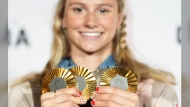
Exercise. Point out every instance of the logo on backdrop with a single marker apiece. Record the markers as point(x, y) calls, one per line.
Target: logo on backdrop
point(21, 38)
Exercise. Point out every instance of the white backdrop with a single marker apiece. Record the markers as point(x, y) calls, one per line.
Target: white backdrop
point(152, 35)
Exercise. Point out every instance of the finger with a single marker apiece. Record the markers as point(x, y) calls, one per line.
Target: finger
point(113, 98)
point(120, 92)
point(116, 99)
point(65, 104)
point(67, 97)
point(64, 98)
point(96, 103)
point(71, 91)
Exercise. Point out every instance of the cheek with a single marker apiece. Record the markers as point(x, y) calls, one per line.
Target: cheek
point(73, 22)
point(109, 22)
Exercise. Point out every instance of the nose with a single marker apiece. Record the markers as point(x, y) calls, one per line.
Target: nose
point(91, 21)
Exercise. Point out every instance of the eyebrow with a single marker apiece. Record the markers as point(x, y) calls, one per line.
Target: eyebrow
point(101, 4)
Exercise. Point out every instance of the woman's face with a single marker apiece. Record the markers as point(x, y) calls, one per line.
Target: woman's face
point(91, 24)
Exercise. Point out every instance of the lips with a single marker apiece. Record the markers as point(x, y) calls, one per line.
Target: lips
point(91, 34)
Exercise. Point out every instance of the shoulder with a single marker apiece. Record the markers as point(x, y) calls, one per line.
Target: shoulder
point(164, 94)
point(160, 89)
point(157, 94)
point(21, 95)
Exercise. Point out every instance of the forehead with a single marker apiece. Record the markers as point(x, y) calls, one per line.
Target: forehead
point(92, 2)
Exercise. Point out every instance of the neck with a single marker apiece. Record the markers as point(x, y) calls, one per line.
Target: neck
point(90, 61)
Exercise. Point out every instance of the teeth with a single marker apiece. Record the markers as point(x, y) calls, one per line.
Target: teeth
point(91, 34)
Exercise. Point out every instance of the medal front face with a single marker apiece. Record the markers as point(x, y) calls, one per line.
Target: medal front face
point(98, 75)
point(58, 78)
point(86, 81)
point(119, 77)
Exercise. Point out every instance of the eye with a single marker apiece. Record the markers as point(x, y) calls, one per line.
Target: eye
point(103, 10)
point(78, 10)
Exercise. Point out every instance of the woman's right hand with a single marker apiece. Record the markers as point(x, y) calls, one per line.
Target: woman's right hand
point(67, 97)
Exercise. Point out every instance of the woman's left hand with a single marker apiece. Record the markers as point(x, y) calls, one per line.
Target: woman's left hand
point(114, 97)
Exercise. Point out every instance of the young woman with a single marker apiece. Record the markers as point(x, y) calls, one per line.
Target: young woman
point(91, 33)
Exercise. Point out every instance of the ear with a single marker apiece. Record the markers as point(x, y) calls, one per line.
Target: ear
point(120, 19)
point(63, 23)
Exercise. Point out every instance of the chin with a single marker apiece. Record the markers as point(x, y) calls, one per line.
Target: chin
point(90, 51)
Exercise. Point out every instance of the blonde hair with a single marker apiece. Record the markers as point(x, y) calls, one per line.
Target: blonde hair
point(121, 52)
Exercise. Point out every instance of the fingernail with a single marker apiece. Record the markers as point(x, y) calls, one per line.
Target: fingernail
point(80, 93)
point(92, 102)
point(97, 89)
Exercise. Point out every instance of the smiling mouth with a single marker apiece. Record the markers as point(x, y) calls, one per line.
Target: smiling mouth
point(91, 34)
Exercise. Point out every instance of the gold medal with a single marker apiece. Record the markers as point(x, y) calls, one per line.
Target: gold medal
point(119, 77)
point(56, 79)
point(98, 74)
point(86, 82)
